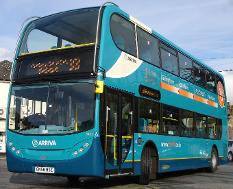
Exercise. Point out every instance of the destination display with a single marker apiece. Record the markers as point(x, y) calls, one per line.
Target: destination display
point(149, 92)
point(55, 63)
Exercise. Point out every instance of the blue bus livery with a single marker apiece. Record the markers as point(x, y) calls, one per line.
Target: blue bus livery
point(97, 93)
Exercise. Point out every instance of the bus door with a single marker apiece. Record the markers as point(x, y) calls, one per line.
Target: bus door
point(118, 132)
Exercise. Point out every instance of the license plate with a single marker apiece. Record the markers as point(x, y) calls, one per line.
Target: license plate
point(50, 170)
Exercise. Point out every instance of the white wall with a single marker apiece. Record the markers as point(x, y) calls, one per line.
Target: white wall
point(228, 76)
point(4, 89)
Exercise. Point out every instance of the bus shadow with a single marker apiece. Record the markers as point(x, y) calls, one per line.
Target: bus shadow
point(181, 173)
point(164, 180)
point(61, 182)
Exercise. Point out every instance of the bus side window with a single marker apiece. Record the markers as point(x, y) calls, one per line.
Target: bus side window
point(212, 130)
point(201, 127)
point(199, 74)
point(219, 129)
point(143, 122)
point(148, 116)
point(186, 67)
point(148, 47)
point(210, 81)
point(169, 59)
point(170, 119)
point(123, 34)
point(187, 123)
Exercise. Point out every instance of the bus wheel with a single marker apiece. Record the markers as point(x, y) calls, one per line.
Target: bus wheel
point(73, 179)
point(148, 166)
point(214, 161)
point(230, 156)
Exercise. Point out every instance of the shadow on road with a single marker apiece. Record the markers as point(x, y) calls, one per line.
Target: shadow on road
point(61, 182)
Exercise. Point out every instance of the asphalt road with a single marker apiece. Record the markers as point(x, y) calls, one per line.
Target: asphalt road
point(221, 179)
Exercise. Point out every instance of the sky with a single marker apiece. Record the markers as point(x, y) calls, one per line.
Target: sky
point(202, 27)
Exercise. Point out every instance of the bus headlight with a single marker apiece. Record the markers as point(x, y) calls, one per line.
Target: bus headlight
point(14, 149)
point(75, 153)
point(86, 145)
point(80, 148)
point(10, 144)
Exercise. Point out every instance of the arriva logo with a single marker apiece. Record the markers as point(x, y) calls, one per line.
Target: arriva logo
point(36, 143)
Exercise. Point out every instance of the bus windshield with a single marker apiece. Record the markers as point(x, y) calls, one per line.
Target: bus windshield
point(64, 29)
point(52, 108)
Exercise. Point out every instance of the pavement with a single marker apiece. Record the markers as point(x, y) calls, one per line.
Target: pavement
point(192, 179)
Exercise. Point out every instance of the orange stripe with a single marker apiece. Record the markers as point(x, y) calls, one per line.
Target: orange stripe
point(200, 99)
point(185, 93)
point(169, 87)
point(212, 103)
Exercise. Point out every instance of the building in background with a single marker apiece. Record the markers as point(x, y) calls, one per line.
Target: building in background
point(5, 67)
point(230, 121)
point(228, 76)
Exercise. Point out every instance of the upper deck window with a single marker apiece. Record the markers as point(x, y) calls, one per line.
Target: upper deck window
point(186, 67)
point(199, 75)
point(210, 81)
point(123, 34)
point(60, 30)
point(148, 47)
point(169, 59)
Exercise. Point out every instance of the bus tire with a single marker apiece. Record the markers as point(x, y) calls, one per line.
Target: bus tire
point(214, 161)
point(230, 156)
point(148, 166)
point(73, 179)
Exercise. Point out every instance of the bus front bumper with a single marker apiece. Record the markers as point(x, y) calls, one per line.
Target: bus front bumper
point(89, 164)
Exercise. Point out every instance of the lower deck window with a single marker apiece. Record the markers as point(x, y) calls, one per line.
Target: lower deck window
point(186, 123)
point(170, 120)
point(201, 127)
point(148, 116)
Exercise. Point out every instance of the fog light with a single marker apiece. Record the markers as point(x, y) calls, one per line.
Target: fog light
point(18, 152)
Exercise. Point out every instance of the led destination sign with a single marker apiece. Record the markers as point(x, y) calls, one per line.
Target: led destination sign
point(149, 92)
point(71, 64)
point(56, 63)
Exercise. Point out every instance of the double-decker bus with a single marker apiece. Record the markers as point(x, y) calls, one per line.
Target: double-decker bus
point(97, 93)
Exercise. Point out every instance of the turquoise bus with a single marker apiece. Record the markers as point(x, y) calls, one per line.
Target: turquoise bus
point(97, 93)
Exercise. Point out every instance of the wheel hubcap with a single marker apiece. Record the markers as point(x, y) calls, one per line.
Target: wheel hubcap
point(230, 157)
point(214, 161)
